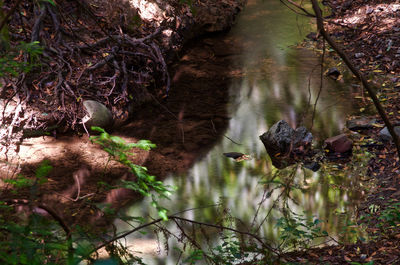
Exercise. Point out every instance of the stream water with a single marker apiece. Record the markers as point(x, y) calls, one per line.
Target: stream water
point(280, 81)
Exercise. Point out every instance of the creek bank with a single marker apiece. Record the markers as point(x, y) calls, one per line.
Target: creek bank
point(368, 32)
point(119, 70)
point(183, 126)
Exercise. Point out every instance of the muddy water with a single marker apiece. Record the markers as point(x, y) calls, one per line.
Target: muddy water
point(279, 81)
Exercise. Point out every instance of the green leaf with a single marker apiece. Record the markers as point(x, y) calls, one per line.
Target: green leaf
point(49, 1)
point(163, 214)
point(44, 169)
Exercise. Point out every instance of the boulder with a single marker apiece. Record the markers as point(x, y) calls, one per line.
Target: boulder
point(339, 144)
point(385, 136)
point(278, 138)
point(284, 145)
point(96, 115)
point(362, 123)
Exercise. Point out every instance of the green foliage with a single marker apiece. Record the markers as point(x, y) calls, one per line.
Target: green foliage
point(20, 182)
point(229, 252)
point(34, 241)
point(297, 230)
point(40, 177)
point(195, 256)
point(145, 183)
point(43, 171)
point(390, 216)
point(11, 65)
point(49, 1)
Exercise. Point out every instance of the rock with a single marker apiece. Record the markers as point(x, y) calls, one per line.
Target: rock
point(284, 145)
point(359, 55)
point(385, 136)
point(314, 166)
point(233, 155)
point(97, 115)
point(339, 144)
point(302, 137)
point(333, 73)
point(312, 36)
point(277, 142)
point(369, 10)
point(278, 138)
point(362, 123)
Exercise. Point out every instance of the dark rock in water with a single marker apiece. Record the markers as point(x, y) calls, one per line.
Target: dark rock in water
point(284, 144)
point(312, 36)
point(237, 156)
point(234, 155)
point(339, 144)
point(385, 136)
point(362, 123)
point(314, 166)
point(333, 73)
point(278, 138)
point(302, 138)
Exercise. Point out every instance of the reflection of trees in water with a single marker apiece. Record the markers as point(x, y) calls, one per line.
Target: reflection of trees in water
point(253, 197)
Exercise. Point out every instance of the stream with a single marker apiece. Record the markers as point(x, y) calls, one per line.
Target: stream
point(280, 80)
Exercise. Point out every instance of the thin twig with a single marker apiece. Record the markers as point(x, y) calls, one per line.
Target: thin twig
point(321, 79)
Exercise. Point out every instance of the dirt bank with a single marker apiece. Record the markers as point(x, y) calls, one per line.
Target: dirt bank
point(369, 33)
point(183, 125)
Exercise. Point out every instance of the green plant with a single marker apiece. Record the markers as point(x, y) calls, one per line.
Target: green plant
point(37, 242)
point(40, 177)
point(36, 239)
point(390, 216)
point(298, 231)
point(229, 252)
point(195, 256)
point(145, 184)
point(9, 65)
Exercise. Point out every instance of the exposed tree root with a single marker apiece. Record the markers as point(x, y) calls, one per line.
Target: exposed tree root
point(95, 61)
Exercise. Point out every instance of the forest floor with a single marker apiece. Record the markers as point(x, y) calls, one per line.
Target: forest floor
point(370, 34)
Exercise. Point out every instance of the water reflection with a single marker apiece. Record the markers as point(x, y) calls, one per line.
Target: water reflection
point(281, 82)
